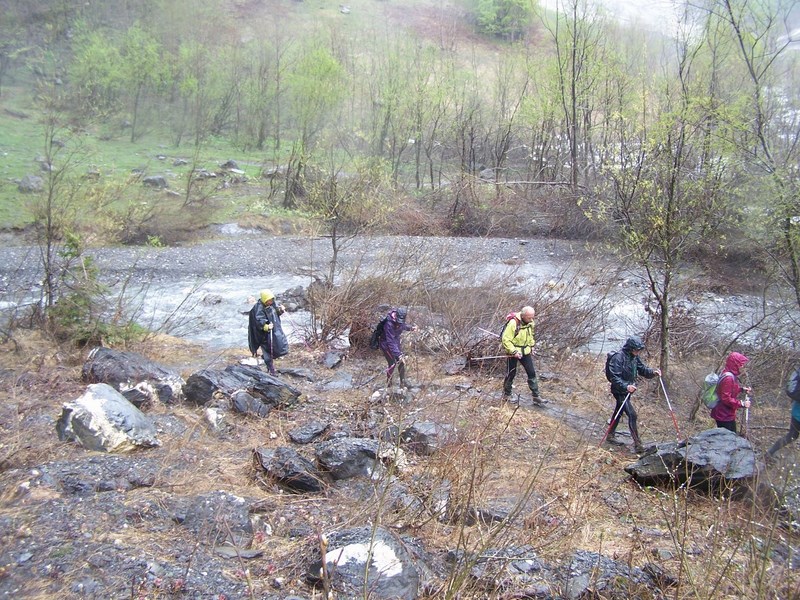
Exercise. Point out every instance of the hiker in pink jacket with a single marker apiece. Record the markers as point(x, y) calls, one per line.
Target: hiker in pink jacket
point(728, 390)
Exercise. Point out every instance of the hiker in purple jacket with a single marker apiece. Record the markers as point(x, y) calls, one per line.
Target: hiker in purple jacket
point(390, 344)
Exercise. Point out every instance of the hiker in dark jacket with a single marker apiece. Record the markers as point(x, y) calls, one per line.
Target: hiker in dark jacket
point(624, 367)
point(265, 330)
point(794, 431)
point(517, 342)
point(728, 390)
point(390, 344)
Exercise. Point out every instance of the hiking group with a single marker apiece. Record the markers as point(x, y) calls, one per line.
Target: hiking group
point(623, 367)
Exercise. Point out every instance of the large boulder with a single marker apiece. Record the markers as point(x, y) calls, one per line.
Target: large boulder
point(364, 558)
point(704, 460)
point(102, 419)
point(202, 386)
point(349, 457)
point(290, 470)
point(136, 377)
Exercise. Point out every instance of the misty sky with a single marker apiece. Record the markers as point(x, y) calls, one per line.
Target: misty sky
point(658, 15)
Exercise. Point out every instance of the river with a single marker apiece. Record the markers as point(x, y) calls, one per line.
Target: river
point(201, 292)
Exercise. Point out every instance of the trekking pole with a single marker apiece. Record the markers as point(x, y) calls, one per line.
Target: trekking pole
point(672, 412)
point(489, 357)
point(489, 332)
point(614, 420)
point(746, 416)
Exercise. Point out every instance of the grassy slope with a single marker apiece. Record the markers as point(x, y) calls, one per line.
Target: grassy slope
point(106, 148)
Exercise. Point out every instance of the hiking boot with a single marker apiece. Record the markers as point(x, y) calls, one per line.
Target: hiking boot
point(537, 401)
point(614, 440)
point(639, 449)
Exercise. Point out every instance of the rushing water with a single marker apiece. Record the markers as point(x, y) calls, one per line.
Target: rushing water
point(203, 292)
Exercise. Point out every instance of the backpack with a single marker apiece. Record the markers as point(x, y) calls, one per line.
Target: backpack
point(510, 316)
point(793, 385)
point(710, 383)
point(608, 364)
point(375, 340)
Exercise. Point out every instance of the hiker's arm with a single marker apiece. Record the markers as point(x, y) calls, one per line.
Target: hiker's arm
point(646, 371)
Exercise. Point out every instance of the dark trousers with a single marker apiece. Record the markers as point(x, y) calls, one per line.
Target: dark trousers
point(511, 372)
point(394, 363)
point(729, 425)
point(267, 356)
point(794, 431)
point(627, 410)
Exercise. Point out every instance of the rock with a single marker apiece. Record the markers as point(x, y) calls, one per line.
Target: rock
point(369, 559)
point(290, 470)
point(704, 460)
point(455, 365)
point(349, 457)
point(102, 419)
point(488, 174)
point(244, 403)
point(217, 518)
point(426, 437)
point(201, 387)
point(155, 181)
point(100, 473)
point(297, 373)
point(592, 575)
point(295, 298)
point(331, 359)
point(343, 381)
point(30, 184)
point(228, 165)
point(308, 432)
point(128, 371)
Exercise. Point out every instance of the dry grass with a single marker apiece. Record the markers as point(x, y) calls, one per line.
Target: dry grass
point(564, 491)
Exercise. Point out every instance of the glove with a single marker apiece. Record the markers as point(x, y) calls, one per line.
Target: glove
point(280, 309)
point(268, 327)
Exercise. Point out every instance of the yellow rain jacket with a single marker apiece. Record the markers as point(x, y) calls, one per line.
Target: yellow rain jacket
point(514, 340)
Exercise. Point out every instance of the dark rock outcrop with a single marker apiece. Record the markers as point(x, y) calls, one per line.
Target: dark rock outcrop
point(138, 378)
point(704, 460)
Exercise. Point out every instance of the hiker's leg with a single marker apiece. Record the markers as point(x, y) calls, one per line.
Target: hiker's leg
point(401, 368)
point(265, 354)
point(390, 360)
point(729, 425)
point(616, 416)
point(633, 422)
point(511, 372)
point(533, 382)
point(794, 431)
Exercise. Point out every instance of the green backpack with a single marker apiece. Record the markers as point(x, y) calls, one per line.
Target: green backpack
point(710, 383)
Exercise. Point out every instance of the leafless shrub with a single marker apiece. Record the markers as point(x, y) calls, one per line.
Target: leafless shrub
point(457, 304)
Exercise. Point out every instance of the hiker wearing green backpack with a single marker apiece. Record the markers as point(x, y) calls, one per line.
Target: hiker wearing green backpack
point(728, 390)
point(622, 369)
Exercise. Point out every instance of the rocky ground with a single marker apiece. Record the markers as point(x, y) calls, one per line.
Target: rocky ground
point(153, 523)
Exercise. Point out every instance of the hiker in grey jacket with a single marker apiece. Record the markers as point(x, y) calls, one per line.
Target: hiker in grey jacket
point(623, 368)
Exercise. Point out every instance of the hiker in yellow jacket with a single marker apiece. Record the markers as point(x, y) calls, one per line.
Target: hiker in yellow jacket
point(517, 341)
